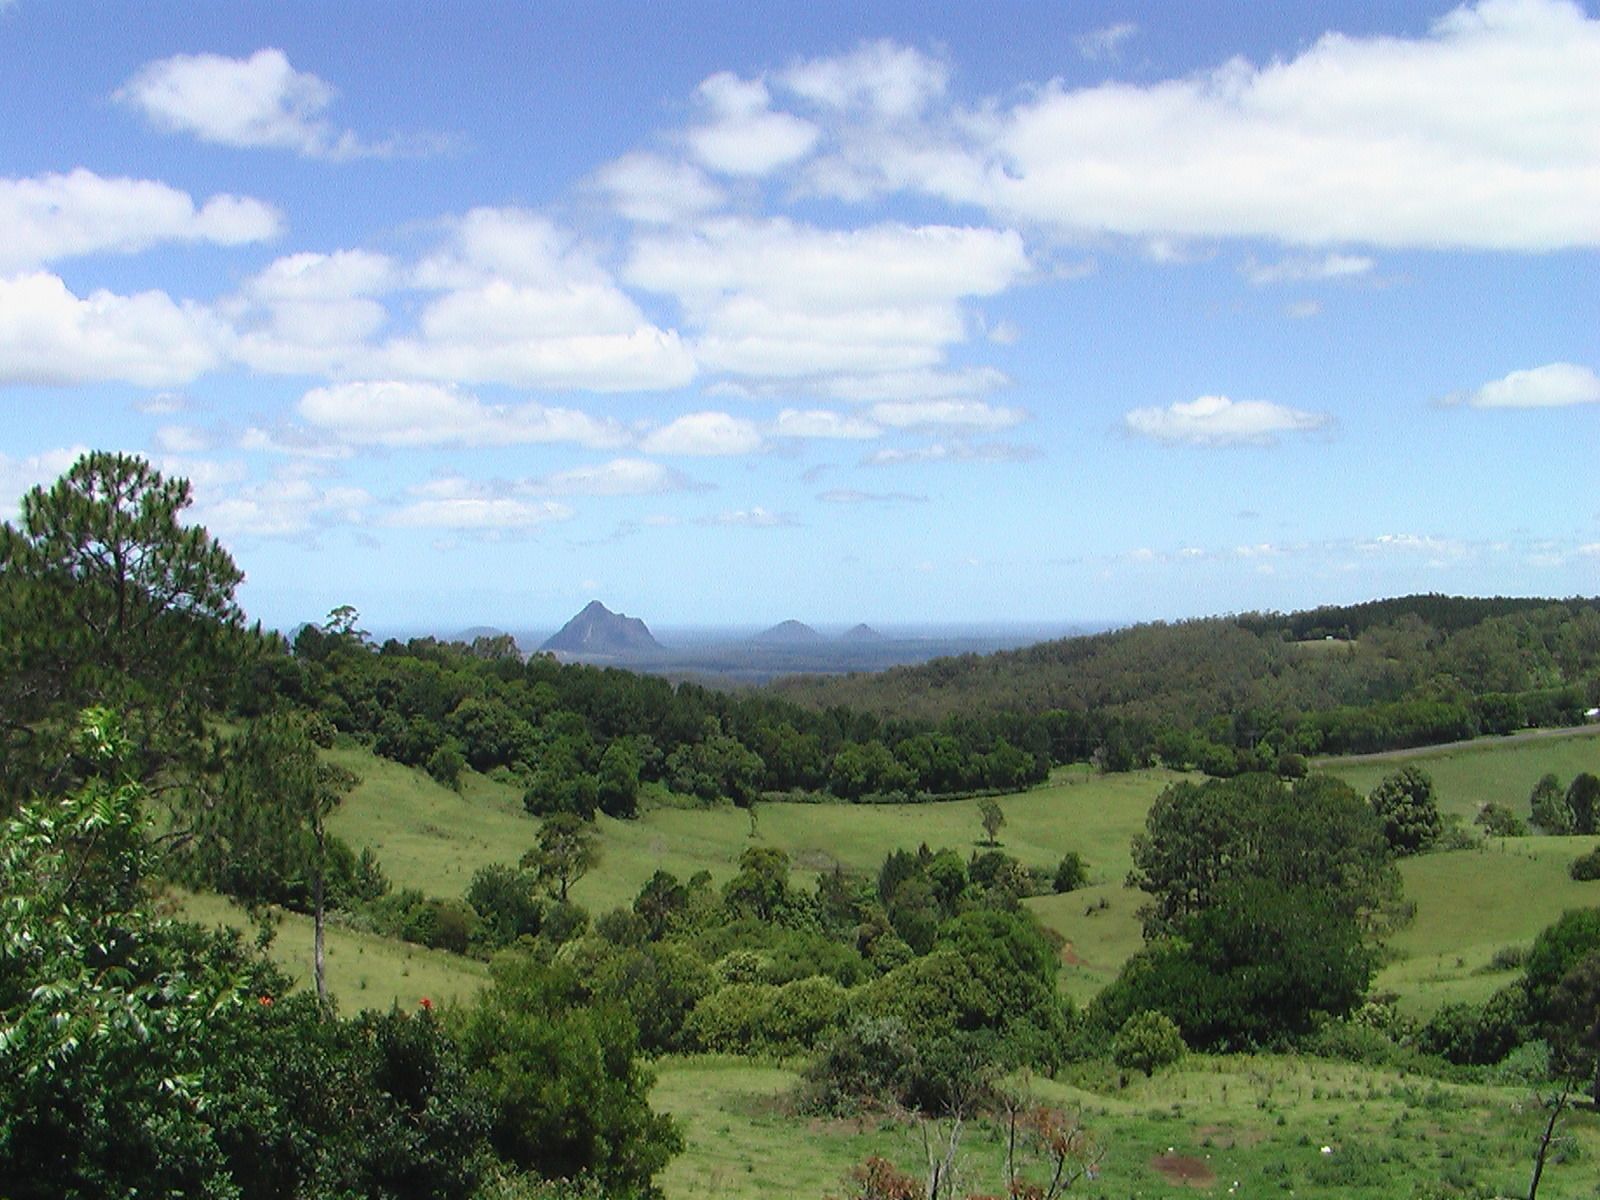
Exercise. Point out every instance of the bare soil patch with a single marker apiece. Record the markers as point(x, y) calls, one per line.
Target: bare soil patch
point(1184, 1169)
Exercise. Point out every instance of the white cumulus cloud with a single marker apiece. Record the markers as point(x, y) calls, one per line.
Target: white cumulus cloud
point(260, 101)
point(1555, 385)
point(704, 434)
point(1219, 421)
point(48, 335)
point(407, 414)
point(657, 191)
point(49, 217)
point(744, 134)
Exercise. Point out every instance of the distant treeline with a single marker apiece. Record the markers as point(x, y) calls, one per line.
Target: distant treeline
point(1233, 693)
point(1223, 695)
point(580, 738)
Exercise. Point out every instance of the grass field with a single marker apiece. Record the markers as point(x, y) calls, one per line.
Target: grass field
point(1241, 1125)
point(364, 971)
point(1469, 903)
point(1213, 1126)
point(1467, 778)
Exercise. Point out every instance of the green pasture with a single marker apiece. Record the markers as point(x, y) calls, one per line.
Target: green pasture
point(1468, 777)
point(363, 970)
point(1469, 903)
point(1238, 1125)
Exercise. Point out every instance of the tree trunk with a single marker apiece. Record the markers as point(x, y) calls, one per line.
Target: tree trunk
point(318, 966)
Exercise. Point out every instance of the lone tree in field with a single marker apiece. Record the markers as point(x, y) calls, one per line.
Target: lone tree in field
point(1583, 802)
point(1404, 802)
point(567, 849)
point(1548, 806)
point(993, 819)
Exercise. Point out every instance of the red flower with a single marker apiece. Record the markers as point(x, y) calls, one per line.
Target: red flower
point(426, 1004)
point(266, 1002)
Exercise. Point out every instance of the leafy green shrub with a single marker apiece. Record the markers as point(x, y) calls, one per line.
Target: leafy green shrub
point(1146, 1041)
point(1072, 873)
point(1476, 1035)
point(734, 1019)
point(1293, 766)
point(1499, 821)
point(1404, 802)
point(1586, 867)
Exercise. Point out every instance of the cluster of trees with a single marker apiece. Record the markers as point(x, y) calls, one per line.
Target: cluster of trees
point(144, 1056)
point(1228, 695)
point(581, 739)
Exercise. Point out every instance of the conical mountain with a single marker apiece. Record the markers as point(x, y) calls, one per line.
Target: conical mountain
point(789, 633)
point(598, 630)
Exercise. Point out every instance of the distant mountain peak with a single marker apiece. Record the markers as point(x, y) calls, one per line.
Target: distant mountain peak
point(598, 630)
point(789, 633)
point(861, 633)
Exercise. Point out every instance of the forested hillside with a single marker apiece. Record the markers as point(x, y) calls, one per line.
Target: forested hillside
point(1391, 673)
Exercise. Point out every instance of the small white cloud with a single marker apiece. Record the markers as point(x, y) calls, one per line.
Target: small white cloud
point(822, 423)
point(1219, 421)
point(1556, 385)
point(962, 414)
point(619, 477)
point(1105, 42)
point(704, 434)
point(50, 217)
point(401, 414)
point(1303, 310)
point(745, 135)
point(469, 506)
point(287, 506)
point(1301, 270)
point(260, 101)
point(755, 518)
point(886, 80)
point(985, 452)
point(855, 496)
point(657, 191)
point(182, 439)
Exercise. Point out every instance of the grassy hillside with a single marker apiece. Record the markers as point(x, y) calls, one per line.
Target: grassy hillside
point(1241, 1125)
point(1469, 903)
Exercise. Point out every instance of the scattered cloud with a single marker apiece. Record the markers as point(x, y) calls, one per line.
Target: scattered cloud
point(704, 434)
point(469, 506)
point(990, 452)
point(404, 414)
point(50, 217)
point(743, 134)
point(287, 506)
point(260, 101)
point(1219, 421)
point(854, 496)
point(657, 191)
point(1301, 269)
point(754, 518)
point(776, 299)
point(962, 414)
point(1555, 385)
point(821, 423)
point(1302, 310)
point(19, 475)
point(50, 336)
point(1104, 43)
point(183, 439)
point(619, 477)
point(1474, 135)
point(889, 82)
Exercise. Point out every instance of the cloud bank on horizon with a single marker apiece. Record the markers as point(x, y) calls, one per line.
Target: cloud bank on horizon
point(824, 318)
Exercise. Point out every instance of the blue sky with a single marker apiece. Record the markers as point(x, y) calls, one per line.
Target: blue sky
point(722, 313)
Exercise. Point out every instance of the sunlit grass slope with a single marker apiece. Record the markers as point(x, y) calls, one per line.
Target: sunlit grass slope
point(1243, 1125)
point(364, 971)
point(1465, 779)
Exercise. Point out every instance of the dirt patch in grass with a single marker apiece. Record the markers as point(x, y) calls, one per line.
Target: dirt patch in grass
point(1070, 956)
point(1184, 1169)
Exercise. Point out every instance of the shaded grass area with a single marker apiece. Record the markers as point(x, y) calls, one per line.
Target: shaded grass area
point(1244, 1125)
point(363, 970)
